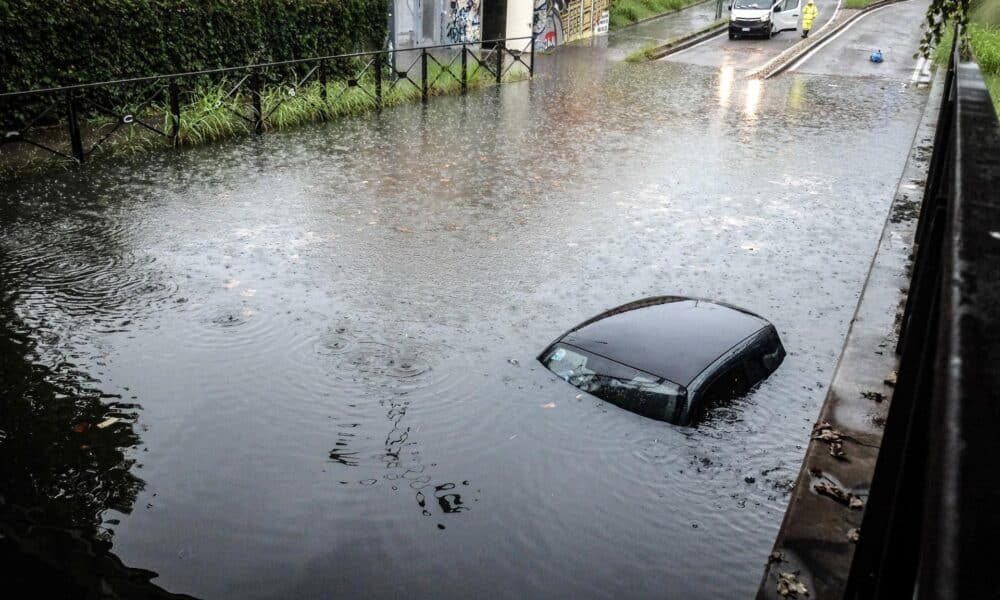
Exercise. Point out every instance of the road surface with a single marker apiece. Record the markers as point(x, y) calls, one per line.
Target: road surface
point(889, 29)
point(748, 53)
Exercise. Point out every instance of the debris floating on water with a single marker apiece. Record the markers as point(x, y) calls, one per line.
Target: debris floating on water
point(108, 422)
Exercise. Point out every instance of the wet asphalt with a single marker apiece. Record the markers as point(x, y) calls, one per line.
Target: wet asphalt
point(321, 342)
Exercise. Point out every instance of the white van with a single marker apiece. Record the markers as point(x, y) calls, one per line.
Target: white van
point(763, 17)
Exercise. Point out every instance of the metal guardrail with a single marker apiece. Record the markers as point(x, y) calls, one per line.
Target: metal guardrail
point(932, 521)
point(375, 73)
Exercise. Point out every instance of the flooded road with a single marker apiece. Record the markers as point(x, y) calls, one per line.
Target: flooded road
point(320, 343)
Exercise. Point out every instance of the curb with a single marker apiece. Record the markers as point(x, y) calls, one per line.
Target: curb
point(817, 537)
point(686, 41)
point(783, 61)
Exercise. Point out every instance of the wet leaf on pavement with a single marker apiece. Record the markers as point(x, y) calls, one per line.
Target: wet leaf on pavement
point(876, 396)
point(837, 449)
point(789, 586)
point(834, 491)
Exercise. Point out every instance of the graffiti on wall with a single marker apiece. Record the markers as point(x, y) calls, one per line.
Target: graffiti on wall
point(463, 24)
point(546, 25)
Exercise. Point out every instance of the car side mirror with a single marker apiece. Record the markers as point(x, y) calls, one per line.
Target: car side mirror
point(777, 8)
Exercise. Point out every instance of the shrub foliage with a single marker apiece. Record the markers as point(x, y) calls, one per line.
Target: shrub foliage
point(46, 43)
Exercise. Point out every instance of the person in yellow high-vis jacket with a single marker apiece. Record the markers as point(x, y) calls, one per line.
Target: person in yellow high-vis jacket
point(809, 14)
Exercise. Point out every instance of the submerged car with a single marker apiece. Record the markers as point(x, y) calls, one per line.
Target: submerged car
point(669, 357)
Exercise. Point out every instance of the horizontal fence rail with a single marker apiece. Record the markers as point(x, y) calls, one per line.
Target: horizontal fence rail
point(52, 119)
point(932, 520)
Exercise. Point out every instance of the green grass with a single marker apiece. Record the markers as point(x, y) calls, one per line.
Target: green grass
point(627, 12)
point(857, 3)
point(985, 40)
point(208, 115)
point(642, 54)
point(211, 116)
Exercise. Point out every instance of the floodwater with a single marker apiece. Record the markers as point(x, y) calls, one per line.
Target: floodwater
point(320, 343)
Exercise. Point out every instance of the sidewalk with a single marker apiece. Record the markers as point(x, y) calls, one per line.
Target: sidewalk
point(661, 29)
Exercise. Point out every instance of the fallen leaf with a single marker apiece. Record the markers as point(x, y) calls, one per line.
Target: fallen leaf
point(827, 435)
point(854, 535)
point(820, 426)
point(837, 449)
point(108, 422)
point(775, 557)
point(876, 396)
point(248, 292)
point(81, 427)
point(834, 491)
point(402, 229)
point(549, 405)
point(789, 586)
point(231, 283)
point(891, 379)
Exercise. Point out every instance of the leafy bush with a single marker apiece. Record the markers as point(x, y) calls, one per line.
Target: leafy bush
point(47, 43)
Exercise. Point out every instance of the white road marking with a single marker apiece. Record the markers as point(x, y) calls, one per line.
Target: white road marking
point(820, 46)
point(925, 73)
point(917, 68)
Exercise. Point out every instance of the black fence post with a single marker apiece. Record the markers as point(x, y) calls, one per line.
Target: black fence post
point(498, 48)
point(175, 109)
point(256, 92)
point(378, 81)
point(465, 69)
point(531, 58)
point(423, 74)
point(322, 90)
point(74, 127)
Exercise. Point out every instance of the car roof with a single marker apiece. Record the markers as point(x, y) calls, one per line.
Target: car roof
point(674, 337)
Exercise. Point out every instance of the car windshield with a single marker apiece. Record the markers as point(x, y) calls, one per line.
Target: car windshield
point(754, 4)
point(619, 384)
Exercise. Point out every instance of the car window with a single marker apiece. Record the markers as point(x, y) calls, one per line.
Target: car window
point(790, 4)
point(614, 382)
point(729, 384)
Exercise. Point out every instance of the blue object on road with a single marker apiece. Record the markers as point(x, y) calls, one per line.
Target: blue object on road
point(876, 56)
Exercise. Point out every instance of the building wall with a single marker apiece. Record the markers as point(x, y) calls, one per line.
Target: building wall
point(463, 21)
point(558, 21)
point(519, 18)
point(580, 18)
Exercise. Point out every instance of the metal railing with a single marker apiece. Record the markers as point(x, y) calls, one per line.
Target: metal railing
point(932, 519)
point(130, 102)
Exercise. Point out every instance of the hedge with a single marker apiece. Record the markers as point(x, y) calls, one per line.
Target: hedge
point(47, 43)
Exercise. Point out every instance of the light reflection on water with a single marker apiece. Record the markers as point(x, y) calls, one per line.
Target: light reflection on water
point(332, 330)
